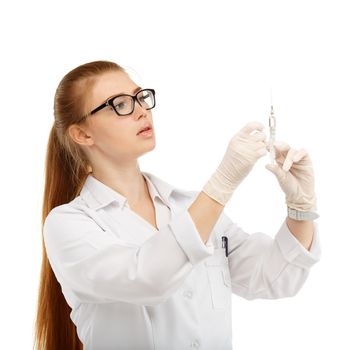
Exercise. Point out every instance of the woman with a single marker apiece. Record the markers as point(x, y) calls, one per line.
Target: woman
point(132, 262)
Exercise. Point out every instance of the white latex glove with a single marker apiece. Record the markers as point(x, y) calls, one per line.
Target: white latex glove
point(244, 149)
point(295, 175)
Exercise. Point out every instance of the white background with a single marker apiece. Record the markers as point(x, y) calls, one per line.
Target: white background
point(212, 65)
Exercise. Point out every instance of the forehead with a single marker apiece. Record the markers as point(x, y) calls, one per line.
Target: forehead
point(112, 83)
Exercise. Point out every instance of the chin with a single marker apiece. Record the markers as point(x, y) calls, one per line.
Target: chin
point(153, 146)
point(148, 148)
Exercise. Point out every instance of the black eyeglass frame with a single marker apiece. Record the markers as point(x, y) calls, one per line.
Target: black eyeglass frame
point(109, 102)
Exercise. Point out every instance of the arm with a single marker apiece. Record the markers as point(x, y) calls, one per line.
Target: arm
point(205, 212)
point(302, 230)
point(265, 267)
point(242, 152)
point(97, 266)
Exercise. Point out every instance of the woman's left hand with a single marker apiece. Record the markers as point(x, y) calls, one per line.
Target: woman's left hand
point(295, 175)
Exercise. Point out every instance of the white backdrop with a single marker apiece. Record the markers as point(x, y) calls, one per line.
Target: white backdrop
point(234, 51)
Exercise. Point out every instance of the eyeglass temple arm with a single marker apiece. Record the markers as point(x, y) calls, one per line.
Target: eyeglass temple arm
point(100, 107)
point(94, 111)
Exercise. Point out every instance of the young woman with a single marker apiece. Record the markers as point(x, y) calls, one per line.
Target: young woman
point(132, 262)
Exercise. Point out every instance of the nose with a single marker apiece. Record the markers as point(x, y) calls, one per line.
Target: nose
point(139, 110)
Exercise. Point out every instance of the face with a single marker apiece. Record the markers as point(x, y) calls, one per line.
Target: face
point(111, 136)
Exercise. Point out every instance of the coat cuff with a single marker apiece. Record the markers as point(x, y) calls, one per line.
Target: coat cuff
point(187, 235)
point(294, 252)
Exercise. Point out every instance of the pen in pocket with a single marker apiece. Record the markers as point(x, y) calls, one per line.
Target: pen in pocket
point(224, 244)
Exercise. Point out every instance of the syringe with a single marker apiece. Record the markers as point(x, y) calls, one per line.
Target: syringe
point(272, 125)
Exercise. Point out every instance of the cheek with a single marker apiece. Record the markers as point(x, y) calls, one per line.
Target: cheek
point(114, 138)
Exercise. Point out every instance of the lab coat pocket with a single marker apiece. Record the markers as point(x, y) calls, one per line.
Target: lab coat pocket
point(219, 279)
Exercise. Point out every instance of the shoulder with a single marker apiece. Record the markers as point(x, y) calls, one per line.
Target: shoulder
point(73, 208)
point(60, 215)
point(70, 220)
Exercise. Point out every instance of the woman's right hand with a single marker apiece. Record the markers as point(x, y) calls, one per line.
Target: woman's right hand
point(244, 149)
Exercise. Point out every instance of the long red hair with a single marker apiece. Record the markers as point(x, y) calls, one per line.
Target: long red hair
point(66, 168)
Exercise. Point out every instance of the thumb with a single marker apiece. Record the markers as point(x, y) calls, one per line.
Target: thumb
point(277, 170)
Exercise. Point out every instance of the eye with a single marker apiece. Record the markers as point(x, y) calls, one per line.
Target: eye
point(143, 97)
point(121, 102)
point(120, 105)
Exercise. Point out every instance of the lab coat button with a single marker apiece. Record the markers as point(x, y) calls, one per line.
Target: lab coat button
point(195, 344)
point(188, 294)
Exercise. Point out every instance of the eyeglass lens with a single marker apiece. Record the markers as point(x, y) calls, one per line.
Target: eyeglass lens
point(125, 104)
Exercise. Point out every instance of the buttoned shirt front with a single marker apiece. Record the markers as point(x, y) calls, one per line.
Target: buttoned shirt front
point(131, 286)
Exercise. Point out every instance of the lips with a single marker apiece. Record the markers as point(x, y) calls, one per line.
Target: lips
point(145, 127)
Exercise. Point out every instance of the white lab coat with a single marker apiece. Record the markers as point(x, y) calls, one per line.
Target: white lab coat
point(131, 286)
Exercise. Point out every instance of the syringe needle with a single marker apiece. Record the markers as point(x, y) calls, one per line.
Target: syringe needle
point(272, 125)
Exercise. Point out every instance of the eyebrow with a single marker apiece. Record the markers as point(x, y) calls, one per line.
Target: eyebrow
point(122, 93)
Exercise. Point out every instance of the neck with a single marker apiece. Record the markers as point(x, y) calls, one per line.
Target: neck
point(130, 183)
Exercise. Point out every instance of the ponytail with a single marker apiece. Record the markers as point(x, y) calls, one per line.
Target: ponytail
point(66, 169)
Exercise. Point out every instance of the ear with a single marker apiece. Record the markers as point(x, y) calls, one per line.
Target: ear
point(79, 135)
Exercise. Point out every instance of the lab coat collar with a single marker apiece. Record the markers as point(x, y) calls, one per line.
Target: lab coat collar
point(97, 195)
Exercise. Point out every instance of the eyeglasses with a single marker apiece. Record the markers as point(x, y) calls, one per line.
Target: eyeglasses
point(124, 104)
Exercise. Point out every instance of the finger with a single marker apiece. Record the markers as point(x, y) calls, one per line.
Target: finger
point(260, 144)
point(275, 169)
point(261, 151)
point(249, 127)
point(281, 146)
point(288, 162)
point(266, 144)
point(281, 150)
point(258, 136)
point(299, 155)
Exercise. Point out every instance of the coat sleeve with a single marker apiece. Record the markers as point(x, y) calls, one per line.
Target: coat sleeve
point(97, 266)
point(265, 267)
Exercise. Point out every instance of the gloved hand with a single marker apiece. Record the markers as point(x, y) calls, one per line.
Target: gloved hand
point(295, 175)
point(244, 149)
